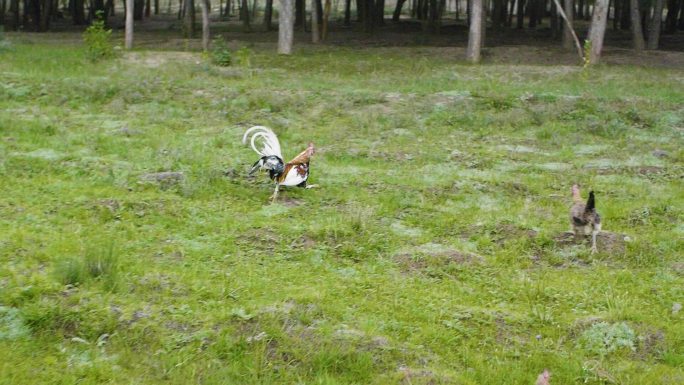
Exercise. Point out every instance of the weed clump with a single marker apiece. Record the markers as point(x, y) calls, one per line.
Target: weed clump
point(100, 264)
point(12, 325)
point(603, 338)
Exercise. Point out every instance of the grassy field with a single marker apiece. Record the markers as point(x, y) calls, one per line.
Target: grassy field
point(428, 255)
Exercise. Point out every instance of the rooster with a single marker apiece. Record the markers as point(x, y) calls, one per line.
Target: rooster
point(292, 173)
point(584, 217)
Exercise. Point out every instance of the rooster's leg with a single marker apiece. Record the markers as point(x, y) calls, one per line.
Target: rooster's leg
point(594, 233)
point(311, 186)
point(593, 242)
point(275, 193)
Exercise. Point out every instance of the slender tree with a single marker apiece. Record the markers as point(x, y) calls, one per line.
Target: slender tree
point(326, 17)
point(637, 33)
point(285, 27)
point(190, 22)
point(205, 24)
point(347, 12)
point(475, 33)
point(129, 24)
point(671, 18)
point(397, 10)
point(244, 13)
point(656, 23)
point(300, 13)
point(569, 19)
point(315, 34)
point(520, 23)
point(268, 15)
point(598, 30)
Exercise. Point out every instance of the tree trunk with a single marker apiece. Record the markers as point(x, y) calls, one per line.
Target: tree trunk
point(138, 9)
point(205, 24)
point(587, 14)
point(617, 9)
point(637, 32)
point(244, 14)
point(156, 7)
point(554, 22)
point(654, 31)
point(45, 13)
point(567, 32)
point(268, 15)
point(148, 8)
point(521, 14)
point(368, 15)
point(532, 9)
point(625, 15)
point(300, 13)
point(475, 33)
point(109, 8)
point(129, 24)
point(315, 34)
point(78, 12)
point(326, 18)
point(580, 9)
point(598, 30)
point(285, 27)
point(3, 7)
point(347, 12)
point(397, 10)
point(255, 5)
point(190, 23)
point(671, 18)
point(380, 11)
point(496, 14)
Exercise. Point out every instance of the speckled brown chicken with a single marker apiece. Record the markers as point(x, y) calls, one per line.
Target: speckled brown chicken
point(584, 218)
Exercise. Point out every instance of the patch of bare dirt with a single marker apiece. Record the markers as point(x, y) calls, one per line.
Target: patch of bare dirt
point(413, 376)
point(159, 58)
point(606, 242)
point(290, 202)
point(650, 344)
point(678, 268)
point(434, 255)
point(304, 242)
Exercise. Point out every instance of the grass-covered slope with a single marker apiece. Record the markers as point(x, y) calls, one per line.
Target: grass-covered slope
point(429, 253)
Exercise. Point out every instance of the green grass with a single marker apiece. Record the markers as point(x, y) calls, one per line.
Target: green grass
point(414, 262)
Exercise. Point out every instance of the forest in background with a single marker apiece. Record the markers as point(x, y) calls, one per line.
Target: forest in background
point(646, 23)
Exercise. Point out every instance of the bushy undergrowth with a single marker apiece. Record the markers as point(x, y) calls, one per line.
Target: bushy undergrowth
point(97, 40)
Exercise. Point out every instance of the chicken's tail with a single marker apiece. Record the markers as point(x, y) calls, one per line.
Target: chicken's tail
point(591, 203)
point(267, 139)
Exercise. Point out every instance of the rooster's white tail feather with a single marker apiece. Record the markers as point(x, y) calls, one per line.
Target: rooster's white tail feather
point(269, 141)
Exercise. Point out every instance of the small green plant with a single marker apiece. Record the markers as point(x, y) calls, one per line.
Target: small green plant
point(244, 57)
point(70, 272)
point(603, 338)
point(220, 53)
point(96, 38)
